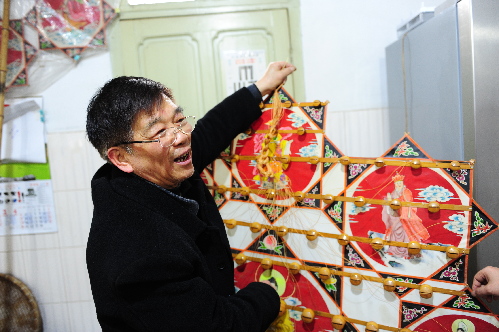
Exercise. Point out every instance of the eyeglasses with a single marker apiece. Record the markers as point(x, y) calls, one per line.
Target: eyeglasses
point(168, 136)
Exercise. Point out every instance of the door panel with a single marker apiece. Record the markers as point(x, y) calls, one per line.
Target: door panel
point(174, 61)
point(255, 40)
point(186, 53)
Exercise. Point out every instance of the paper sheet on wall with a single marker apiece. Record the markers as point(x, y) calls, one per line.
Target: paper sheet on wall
point(27, 207)
point(243, 68)
point(23, 138)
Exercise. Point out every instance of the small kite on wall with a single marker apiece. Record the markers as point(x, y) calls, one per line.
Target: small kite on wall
point(71, 25)
point(359, 244)
point(47, 39)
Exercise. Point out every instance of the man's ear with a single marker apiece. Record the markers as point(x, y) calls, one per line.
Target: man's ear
point(120, 158)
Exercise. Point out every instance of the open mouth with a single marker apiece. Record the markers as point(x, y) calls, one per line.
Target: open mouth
point(183, 157)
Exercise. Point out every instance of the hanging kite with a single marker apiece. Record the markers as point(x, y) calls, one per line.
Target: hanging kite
point(47, 38)
point(19, 54)
point(357, 244)
point(71, 25)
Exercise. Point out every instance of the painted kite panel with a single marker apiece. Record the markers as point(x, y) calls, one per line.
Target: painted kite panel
point(19, 54)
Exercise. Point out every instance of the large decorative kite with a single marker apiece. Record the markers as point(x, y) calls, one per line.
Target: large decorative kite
point(357, 244)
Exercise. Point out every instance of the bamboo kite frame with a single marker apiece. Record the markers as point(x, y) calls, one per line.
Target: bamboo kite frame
point(4, 48)
point(451, 251)
point(357, 275)
point(345, 160)
point(328, 199)
point(343, 239)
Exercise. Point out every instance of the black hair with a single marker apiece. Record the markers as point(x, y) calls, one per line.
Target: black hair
point(113, 109)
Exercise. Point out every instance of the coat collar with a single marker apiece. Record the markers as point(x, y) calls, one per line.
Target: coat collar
point(111, 179)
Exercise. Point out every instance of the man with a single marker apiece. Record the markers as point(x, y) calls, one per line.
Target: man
point(157, 253)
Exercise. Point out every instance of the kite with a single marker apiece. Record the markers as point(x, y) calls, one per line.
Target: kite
point(48, 38)
point(71, 25)
point(19, 54)
point(351, 244)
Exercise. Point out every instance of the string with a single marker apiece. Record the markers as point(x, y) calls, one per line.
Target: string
point(404, 80)
point(263, 160)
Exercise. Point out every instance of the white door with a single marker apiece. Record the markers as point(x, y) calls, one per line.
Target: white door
point(189, 53)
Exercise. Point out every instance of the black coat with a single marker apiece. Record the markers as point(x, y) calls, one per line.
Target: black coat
point(156, 265)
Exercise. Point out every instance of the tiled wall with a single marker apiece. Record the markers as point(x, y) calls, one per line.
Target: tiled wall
point(53, 265)
point(359, 133)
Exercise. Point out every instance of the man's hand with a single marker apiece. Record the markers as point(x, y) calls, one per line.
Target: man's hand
point(486, 283)
point(275, 75)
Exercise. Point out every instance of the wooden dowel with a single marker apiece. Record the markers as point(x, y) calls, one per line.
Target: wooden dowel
point(432, 247)
point(4, 48)
point(363, 277)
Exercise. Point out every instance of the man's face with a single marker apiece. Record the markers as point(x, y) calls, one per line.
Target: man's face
point(164, 166)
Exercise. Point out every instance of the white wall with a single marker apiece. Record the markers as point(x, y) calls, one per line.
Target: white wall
point(343, 52)
point(344, 58)
point(65, 102)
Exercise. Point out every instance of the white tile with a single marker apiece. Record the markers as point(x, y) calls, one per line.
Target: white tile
point(55, 317)
point(83, 317)
point(72, 160)
point(10, 243)
point(359, 133)
point(44, 275)
point(57, 148)
point(40, 241)
point(74, 215)
point(335, 123)
point(365, 134)
point(12, 263)
point(94, 159)
point(77, 283)
point(386, 129)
